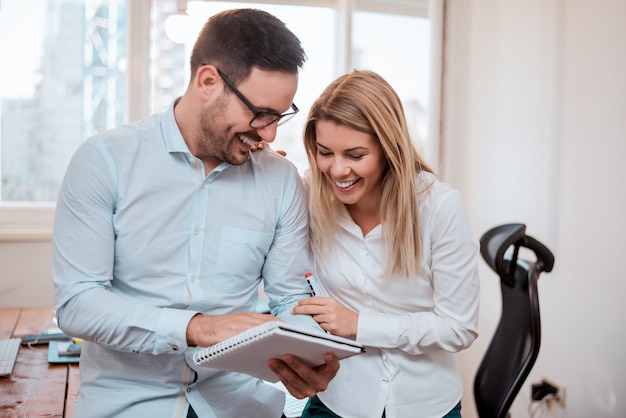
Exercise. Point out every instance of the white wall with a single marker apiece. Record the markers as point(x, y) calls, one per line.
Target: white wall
point(535, 132)
point(25, 274)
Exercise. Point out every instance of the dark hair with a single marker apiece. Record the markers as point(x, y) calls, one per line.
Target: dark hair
point(237, 40)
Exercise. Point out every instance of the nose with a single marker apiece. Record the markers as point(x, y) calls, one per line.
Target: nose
point(268, 133)
point(339, 168)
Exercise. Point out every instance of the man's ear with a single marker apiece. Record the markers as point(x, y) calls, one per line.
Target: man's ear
point(207, 81)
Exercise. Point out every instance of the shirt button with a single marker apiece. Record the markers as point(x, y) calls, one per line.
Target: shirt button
point(135, 351)
point(193, 278)
point(196, 230)
point(189, 389)
point(175, 348)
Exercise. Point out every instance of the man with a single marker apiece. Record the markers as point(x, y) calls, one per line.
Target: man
point(165, 228)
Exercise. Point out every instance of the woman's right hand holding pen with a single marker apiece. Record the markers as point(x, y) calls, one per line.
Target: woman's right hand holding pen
point(330, 314)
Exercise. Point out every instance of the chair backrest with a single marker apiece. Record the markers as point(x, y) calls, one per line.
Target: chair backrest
point(515, 344)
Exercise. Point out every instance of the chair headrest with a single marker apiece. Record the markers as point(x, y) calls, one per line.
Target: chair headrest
point(495, 242)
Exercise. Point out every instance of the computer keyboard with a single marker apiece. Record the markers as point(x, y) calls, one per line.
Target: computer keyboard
point(8, 354)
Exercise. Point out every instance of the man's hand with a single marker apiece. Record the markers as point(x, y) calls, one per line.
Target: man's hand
point(204, 330)
point(301, 380)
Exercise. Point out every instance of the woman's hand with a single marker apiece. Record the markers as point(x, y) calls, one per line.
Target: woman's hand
point(262, 144)
point(330, 314)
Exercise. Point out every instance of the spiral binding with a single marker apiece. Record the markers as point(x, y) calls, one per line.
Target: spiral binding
point(242, 339)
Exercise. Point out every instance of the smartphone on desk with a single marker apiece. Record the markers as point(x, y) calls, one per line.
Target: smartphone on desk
point(69, 348)
point(45, 338)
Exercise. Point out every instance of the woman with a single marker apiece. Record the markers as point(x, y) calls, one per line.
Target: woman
point(395, 258)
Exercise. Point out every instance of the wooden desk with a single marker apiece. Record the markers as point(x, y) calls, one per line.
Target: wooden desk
point(35, 388)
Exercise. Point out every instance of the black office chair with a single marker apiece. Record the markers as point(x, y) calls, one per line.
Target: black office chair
point(515, 345)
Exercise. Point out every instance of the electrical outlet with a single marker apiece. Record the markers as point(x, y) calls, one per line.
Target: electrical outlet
point(559, 396)
point(548, 391)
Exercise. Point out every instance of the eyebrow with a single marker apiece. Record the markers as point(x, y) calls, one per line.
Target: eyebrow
point(268, 110)
point(264, 109)
point(345, 150)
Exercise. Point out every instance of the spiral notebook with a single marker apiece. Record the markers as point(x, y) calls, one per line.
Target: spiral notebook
point(250, 351)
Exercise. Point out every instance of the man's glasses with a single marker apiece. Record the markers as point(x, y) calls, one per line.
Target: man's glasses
point(260, 119)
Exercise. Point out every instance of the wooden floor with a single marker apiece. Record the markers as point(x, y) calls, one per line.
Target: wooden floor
point(35, 388)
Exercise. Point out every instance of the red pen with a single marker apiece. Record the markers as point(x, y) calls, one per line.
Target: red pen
point(310, 281)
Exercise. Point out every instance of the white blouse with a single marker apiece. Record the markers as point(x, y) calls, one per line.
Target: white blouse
point(411, 327)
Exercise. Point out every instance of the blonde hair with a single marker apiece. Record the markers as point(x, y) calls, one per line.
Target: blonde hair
point(364, 101)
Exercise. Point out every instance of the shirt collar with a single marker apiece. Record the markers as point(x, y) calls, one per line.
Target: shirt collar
point(173, 138)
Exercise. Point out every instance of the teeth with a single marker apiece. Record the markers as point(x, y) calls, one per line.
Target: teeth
point(247, 141)
point(345, 184)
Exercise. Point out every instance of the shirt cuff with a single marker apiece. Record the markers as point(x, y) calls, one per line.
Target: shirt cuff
point(171, 332)
point(378, 330)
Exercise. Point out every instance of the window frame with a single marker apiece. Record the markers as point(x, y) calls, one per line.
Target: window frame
point(32, 222)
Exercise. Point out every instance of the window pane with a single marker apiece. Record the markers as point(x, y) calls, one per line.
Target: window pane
point(399, 50)
point(62, 82)
point(170, 65)
point(66, 77)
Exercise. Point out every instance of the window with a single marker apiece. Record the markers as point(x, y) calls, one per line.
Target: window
point(65, 84)
point(81, 67)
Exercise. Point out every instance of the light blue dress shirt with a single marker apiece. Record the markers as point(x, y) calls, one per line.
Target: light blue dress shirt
point(143, 240)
